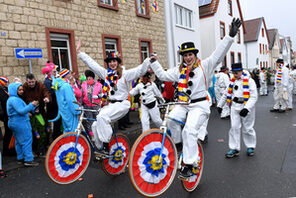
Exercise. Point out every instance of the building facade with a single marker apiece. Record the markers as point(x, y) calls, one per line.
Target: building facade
point(132, 28)
point(182, 25)
point(256, 43)
point(274, 47)
point(215, 21)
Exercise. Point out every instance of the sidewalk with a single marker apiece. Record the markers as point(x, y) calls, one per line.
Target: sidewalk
point(9, 163)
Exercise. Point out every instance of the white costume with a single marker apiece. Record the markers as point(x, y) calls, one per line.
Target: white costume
point(149, 107)
point(293, 76)
point(222, 87)
point(280, 88)
point(290, 91)
point(263, 83)
point(195, 114)
point(238, 123)
point(119, 105)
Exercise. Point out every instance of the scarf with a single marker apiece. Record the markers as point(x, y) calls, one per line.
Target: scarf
point(183, 80)
point(246, 91)
point(108, 82)
point(49, 77)
point(279, 75)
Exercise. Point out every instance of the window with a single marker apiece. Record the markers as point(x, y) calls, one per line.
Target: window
point(260, 64)
point(266, 49)
point(111, 43)
point(239, 57)
point(260, 48)
point(224, 62)
point(183, 16)
point(222, 30)
point(238, 36)
point(230, 7)
point(111, 4)
point(262, 32)
point(61, 48)
point(266, 64)
point(145, 48)
point(142, 8)
point(232, 59)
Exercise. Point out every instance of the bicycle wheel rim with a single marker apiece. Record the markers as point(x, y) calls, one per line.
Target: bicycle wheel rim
point(117, 166)
point(58, 168)
point(145, 182)
point(193, 182)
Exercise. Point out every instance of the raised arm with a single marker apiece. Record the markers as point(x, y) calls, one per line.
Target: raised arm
point(171, 75)
point(137, 72)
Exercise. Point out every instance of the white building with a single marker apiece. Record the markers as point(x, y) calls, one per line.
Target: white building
point(274, 47)
point(256, 42)
point(284, 49)
point(182, 25)
point(215, 21)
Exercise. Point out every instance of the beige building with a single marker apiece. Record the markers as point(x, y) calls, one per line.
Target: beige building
point(132, 28)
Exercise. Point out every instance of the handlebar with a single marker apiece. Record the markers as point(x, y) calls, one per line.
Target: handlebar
point(88, 110)
point(175, 103)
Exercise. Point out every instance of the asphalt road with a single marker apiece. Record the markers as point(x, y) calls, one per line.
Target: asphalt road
point(270, 173)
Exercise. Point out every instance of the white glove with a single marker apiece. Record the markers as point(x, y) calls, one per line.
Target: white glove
point(95, 97)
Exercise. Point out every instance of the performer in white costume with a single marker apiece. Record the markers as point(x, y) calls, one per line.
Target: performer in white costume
point(221, 86)
point(281, 87)
point(193, 77)
point(115, 93)
point(290, 91)
point(148, 90)
point(263, 82)
point(241, 97)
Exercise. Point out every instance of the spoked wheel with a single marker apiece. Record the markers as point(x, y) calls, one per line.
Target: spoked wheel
point(194, 180)
point(64, 165)
point(120, 150)
point(149, 176)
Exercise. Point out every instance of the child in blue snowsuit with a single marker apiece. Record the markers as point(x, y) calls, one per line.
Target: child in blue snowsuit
point(19, 123)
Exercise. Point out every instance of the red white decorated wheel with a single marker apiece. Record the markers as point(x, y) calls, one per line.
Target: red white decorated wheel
point(150, 174)
point(64, 163)
point(194, 180)
point(119, 149)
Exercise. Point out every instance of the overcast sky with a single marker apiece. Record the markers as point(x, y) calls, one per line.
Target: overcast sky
point(279, 14)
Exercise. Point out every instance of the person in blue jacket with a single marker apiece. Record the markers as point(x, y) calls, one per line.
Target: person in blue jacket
point(19, 123)
point(65, 97)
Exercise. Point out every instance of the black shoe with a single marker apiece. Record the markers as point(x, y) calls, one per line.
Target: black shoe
point(226, 118)
point(186, 172)
point(31, 164)
point(129, 123)
point(205, 140)
point(282, 111)
point(274, 110)
point(126, 126)
point(20, 161)
point(232, 153)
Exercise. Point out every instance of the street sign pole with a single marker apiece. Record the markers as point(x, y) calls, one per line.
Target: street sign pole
point(30, 66)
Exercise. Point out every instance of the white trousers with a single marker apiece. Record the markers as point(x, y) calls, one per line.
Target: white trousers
point(146, 114)
point(242, 124)
point(102, 127)
point(195, 117)
point(203, 132)
point(290, 97)
point(280, 103)
point(263, 89)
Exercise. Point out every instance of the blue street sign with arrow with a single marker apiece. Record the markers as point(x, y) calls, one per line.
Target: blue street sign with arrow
point(27, 53)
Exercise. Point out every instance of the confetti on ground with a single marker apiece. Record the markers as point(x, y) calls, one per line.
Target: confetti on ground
point(294, 125)
point(220, 140)
point(80, 179)
point(90, 196)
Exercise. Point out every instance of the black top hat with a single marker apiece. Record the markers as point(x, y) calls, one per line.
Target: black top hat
point(188, 47)
point(236, 67)
point(280, 60)
point(112, 56)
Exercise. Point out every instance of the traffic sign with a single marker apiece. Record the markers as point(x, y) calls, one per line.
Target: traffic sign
point(21, 53)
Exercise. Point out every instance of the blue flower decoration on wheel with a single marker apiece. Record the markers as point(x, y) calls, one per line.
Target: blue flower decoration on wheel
point(118, 155)
point(68, 159)
point(150, 162)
